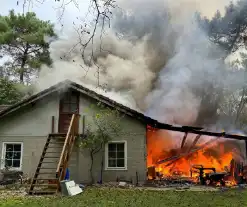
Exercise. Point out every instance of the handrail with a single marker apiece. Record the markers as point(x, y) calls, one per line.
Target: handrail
point(67, 147)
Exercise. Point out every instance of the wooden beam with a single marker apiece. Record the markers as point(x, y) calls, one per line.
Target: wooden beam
point(246, 148)
point(184, 139)
point(83, 125)
point(53, 124)
point(194, 142)
point(177, 157)
point(191, 130)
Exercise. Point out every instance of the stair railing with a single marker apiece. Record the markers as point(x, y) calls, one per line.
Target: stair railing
point(67, 149)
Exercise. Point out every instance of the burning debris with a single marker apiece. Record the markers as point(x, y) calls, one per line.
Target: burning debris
point(197, 160)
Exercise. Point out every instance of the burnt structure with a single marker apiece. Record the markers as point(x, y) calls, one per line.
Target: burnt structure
point(237, 173)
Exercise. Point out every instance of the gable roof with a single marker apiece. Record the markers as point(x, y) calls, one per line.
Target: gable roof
point(69, 84)
point(2, 107)
point(113, 104)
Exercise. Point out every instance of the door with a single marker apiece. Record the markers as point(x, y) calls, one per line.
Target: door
point(69, 105)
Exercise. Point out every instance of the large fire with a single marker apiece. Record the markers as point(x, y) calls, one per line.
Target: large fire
point(178, 161)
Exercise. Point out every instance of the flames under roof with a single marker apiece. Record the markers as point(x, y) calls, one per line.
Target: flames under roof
point(113, 104)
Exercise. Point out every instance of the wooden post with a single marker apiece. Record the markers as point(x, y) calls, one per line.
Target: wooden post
point(76, 124)
point(246, 148)
point(53, 124)
point(83, 125)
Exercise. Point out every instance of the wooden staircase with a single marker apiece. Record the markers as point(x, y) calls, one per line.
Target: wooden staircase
point(54, 161)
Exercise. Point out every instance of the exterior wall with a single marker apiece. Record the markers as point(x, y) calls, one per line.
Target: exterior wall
point(134, 132)
point(30, 125)
point(32, 120)
point(32, 149)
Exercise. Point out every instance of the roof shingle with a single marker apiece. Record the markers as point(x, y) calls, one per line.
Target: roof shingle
point(2, 107)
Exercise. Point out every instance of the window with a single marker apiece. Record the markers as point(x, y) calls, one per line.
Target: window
point(12, 155)
point(116, 155)
point(69, 102)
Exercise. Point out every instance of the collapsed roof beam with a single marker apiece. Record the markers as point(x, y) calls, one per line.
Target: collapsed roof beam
point(194, 130)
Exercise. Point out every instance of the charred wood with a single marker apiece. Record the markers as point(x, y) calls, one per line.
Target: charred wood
point(184, 139)
point(177, 157)
point(194, 143)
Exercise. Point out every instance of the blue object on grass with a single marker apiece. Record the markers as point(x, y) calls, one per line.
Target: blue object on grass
point(81, 186)
point(67, 174)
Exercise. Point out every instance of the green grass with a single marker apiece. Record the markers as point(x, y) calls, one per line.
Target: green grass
point(120, 197)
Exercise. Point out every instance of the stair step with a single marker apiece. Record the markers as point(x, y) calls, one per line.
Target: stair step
point(52, 152)
point(47, 168)
point(56, 142)
point(45, 173)
point(57, 147)
point(58, 138)
point(45, 179)
point(57, 134)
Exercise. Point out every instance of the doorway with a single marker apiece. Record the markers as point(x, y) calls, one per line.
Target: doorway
point(69, 105)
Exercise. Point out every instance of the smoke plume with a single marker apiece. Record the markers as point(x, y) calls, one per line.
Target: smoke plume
point(154, 58)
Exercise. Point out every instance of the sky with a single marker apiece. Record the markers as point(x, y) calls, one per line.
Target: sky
point(49, 10)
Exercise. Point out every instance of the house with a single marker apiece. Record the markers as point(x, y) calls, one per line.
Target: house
point(25, 126)
point(43, 122)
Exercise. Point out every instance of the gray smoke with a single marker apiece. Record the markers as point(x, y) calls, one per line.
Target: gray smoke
point(190, 70)
point(154, 59)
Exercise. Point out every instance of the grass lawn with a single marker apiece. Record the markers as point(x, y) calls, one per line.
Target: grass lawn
point(120, 197)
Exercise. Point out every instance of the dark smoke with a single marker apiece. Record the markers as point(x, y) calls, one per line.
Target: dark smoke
point(155, 58)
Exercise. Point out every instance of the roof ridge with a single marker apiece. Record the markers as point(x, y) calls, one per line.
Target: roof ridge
point(91, 93)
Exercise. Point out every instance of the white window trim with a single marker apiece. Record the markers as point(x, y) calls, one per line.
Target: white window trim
point(3, 155)
point(125, 156)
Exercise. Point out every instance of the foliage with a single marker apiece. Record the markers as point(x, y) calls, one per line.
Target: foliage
point(104, 125)
point(9, 93)
point(233, 106)
point(139, 198)
point(22, 39)
point(228, 30)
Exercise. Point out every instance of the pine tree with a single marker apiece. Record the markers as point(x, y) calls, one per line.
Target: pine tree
point(228, 30)
point(22, 39)
point(9, 92)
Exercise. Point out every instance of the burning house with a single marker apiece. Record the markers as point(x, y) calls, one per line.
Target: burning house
point(158, 59)
point(195, 156)
point(40, 140)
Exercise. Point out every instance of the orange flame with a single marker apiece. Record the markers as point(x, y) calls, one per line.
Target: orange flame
point(161, 145)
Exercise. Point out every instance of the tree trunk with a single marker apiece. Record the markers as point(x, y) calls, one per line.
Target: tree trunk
point(235, 39)
point(91, 167)
point(23, 63)
point(240, 106)
point(22, 75)
point(1, 72)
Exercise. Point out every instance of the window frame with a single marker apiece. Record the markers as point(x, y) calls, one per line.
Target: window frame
point(125, 155)
point(2, 164)
point(66, 100)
